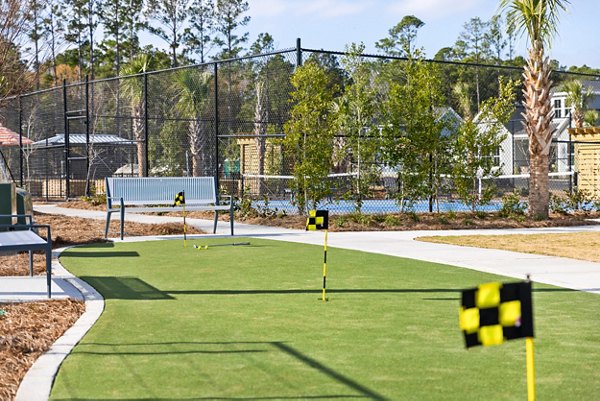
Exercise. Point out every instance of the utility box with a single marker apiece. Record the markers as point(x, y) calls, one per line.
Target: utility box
point(24, 204)
point(8, 202)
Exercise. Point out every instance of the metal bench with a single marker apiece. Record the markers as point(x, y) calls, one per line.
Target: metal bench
point(157, 194)
point(24, 237)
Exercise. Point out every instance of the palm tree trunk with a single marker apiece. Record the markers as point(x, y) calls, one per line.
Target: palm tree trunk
point(195, 137)
point(138, 132)
point(538, 115)
point(260, 129)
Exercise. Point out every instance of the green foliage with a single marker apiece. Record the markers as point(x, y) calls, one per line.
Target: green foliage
point(355, 113)
point(558, 204)
point(401, 38)
point(476, 144)
point(193, 87)
point(415, 136)
point(243, 205)
point(309, 135)
point(571, 201)
point(579, 199)
point(167, 160)
point(95, 199)
point(512, 205)
point(392, 220)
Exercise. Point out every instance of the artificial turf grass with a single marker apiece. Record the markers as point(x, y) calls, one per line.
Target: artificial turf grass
point(246, 323)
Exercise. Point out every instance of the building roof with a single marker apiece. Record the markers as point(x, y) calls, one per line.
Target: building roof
point(80, 139)
point(592, 85)
point(11, 138)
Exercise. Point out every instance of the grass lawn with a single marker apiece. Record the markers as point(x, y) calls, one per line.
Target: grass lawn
point(582, 245)
point(246, 323)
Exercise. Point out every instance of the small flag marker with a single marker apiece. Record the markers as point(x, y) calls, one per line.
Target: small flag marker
point(319, 220)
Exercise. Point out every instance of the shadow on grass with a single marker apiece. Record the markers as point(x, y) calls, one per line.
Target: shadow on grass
point(363, 391)
point(101, 254)
point(133, 288)
point(366, 392)
point(343, 291)
point(301, 397)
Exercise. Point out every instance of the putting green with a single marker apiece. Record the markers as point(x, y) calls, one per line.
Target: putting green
point(247, 323)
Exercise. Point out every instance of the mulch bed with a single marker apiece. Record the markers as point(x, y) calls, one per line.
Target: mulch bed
point(27, 330)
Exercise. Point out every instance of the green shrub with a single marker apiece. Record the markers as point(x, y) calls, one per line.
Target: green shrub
point(512, 206)
point(391, 220)
point(558, 204)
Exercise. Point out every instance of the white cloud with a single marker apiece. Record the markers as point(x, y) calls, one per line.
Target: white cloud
point(332, 8)
point(431, 9)
point(268, 8)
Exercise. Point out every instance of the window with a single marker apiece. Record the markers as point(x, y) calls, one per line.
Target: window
point(497, 157)
point(557, 108)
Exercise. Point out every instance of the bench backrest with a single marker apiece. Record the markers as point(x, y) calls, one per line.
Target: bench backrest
point(160, 190)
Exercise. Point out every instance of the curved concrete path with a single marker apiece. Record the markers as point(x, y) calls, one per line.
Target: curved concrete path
point(562, 272)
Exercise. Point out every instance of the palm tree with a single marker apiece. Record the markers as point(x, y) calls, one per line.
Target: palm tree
point(195, 87)
point(577, 98)
point(133, 89)
point(539, 19)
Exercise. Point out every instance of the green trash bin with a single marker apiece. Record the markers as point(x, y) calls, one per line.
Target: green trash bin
point(24, 204)
point(231, 168)
point(8, 202)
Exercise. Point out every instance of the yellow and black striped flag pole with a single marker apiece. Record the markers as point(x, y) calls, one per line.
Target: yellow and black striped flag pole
point(324, 295)
point(319, 220)
point(180, 200)
point(530, 369)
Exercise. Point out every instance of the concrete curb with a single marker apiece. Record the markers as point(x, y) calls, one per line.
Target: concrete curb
point(37, 383)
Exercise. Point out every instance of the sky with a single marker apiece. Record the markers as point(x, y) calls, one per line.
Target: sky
point(332, 24)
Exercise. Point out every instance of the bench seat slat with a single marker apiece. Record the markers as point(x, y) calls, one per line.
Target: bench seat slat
point(20, 238)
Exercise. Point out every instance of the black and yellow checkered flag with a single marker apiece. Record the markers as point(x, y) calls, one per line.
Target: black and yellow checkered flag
point(317, 220)
point(179, 199)
point(495, 312)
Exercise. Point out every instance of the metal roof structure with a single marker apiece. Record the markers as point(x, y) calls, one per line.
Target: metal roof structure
point(80, 139)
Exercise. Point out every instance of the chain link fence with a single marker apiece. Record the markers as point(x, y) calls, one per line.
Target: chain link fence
point(226, 119)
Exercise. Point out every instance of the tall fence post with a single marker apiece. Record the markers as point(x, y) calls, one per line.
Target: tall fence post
point(146, 128)
point(87, 136)
point(66, 146)
point(216, 88)
point(298, 52)
point(21, 151)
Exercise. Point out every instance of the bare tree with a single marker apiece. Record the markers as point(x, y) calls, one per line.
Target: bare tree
point(13, 36)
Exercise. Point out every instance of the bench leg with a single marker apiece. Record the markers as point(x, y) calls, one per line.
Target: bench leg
point(31, 263)
point(216, 220)
point(108, 214)
point(49, 269)
point(122, 218)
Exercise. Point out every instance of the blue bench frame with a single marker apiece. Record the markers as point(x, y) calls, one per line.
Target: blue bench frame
point(157, 194)
point(24, 237)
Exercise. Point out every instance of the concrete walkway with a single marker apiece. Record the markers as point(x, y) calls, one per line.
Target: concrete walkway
point(562, 272)
point(567, 273)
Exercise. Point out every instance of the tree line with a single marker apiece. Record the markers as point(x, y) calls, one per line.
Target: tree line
point(44, 42)
point(95, 39)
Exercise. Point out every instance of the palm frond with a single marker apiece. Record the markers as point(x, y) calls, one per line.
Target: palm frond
point(538, 18)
